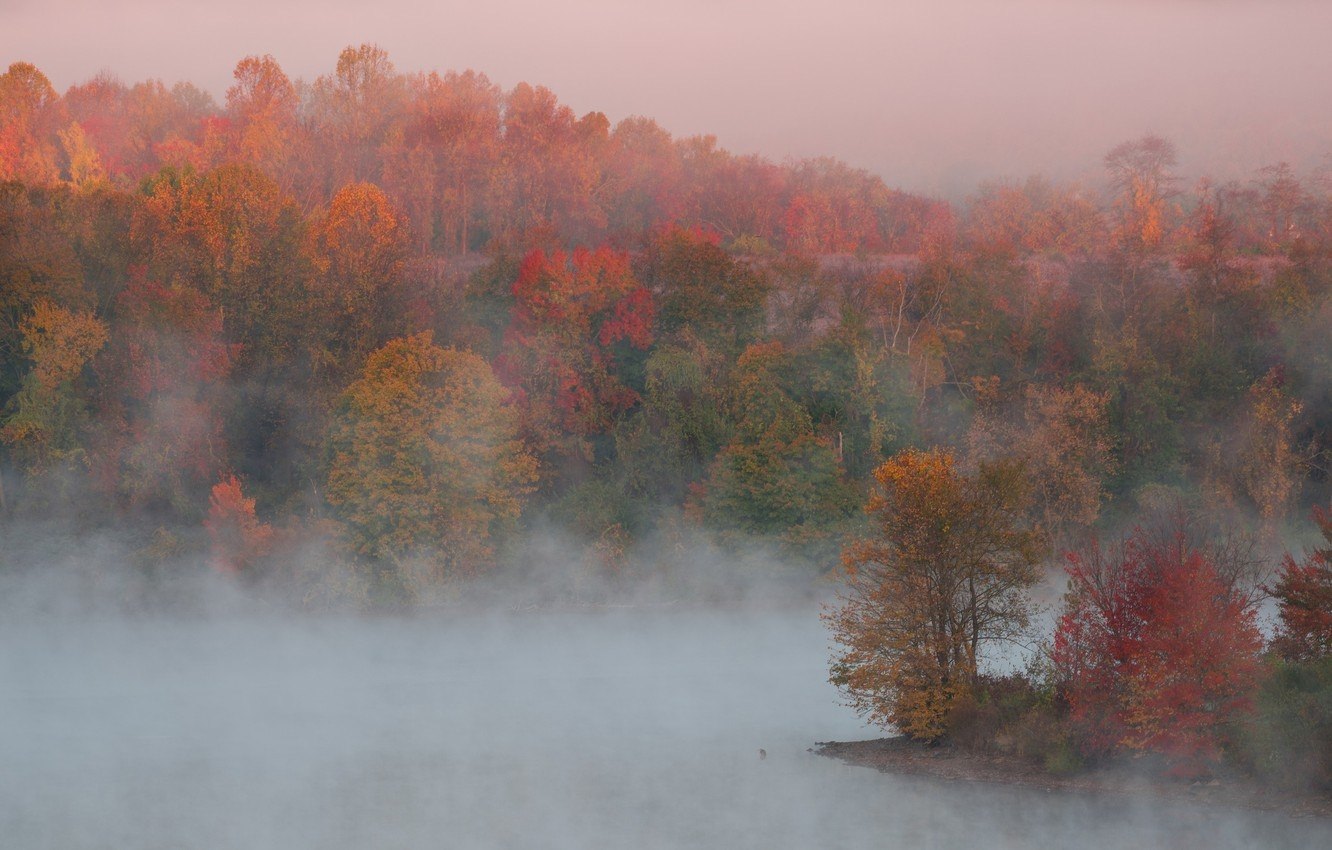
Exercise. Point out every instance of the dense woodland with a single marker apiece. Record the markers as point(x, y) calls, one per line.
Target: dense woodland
point(405, 321)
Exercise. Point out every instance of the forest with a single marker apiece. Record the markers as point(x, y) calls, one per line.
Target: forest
point(362, 342)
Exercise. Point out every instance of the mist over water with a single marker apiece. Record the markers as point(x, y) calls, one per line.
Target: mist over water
point(604, 728)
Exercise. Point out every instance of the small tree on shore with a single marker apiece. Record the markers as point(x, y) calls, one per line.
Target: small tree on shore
point(1156, 650)
point(944, 573)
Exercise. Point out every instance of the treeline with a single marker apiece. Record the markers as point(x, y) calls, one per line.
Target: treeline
point(404, 317)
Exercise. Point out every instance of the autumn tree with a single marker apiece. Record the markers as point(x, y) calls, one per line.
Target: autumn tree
point(359, 250)
point(1157, 650)
point(424, 464)
point(572, 315)
point(1063, 439)
point(262, 106)
point(1141, 174)
point(352, 114)
point(237, 236)
point(49, 413)
point(942, 577)
point(1303, 593)
point(31, 114)
point(548, 170)
point(441, 169)
point(238, 538)
point(643, 178)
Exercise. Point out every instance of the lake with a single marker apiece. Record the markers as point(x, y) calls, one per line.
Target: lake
point(579, 729)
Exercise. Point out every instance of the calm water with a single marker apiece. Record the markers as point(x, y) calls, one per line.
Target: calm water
point(580, 730)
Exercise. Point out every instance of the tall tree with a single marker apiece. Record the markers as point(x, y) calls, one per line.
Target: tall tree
point(424, 464)
point(262, 106)
point(30, 115)
point(943, 575)
point(575, 317)
point(442, 168)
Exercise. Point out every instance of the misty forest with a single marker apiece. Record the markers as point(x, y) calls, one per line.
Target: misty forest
point(598, 433)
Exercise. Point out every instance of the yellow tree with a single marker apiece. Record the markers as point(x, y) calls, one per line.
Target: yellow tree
point(943, 574)
point(48, 410)
point(424, 464)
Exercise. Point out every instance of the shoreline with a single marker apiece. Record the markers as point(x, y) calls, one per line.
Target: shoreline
point(899, 755)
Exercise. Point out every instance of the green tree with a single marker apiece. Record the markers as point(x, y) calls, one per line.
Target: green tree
point(699, 286)
point(776, 476)
point(424, 464)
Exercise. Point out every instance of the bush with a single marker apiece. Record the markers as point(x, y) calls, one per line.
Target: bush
point(1288, 743)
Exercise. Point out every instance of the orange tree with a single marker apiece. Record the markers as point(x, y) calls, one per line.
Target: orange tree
point(944, 573)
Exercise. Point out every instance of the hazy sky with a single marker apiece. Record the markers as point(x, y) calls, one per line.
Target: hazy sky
point(932, 95)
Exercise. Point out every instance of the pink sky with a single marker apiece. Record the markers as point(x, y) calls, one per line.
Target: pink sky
point(932, 95)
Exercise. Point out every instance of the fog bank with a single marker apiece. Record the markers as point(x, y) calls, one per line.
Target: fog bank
point(931, 96)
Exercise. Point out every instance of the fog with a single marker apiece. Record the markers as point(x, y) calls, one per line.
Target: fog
point(932, 96)
point(219, 725)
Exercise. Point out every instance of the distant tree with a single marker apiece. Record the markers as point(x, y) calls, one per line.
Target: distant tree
point(352, 114)
point(1157, 650)
point(1141, 173)
point(548, 171)
point(424, 463)
point(30, 115)
point(776, 476)
point(942, 576)
point(1062, 437)
point(262, 106)
point(572, 314)
point(699, 286)
point(1303, 593)
point(49, 413)
point(442, 168)
point(238, 538)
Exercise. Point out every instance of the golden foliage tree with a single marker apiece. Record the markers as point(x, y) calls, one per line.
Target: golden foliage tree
point(1062, 436)
point(424, 462)
point(48, 410)
point(943, 574)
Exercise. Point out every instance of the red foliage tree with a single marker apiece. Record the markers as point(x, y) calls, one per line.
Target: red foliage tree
point(1157, 651)
point(1303, 593)
point(237, 536)
point(570, 313)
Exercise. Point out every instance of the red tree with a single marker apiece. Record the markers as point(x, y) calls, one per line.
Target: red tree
point(1304, 601)
point(1156, 650)
point(570, 314)
point(238, 538)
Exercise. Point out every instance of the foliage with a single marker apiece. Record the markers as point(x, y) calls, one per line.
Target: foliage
point(49, 413)
point(942, 577)
point(1288, 740)
point(572, 315)
point(238, 538)
point(1303, 593)
point(1156, 650)
point(424, 466)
